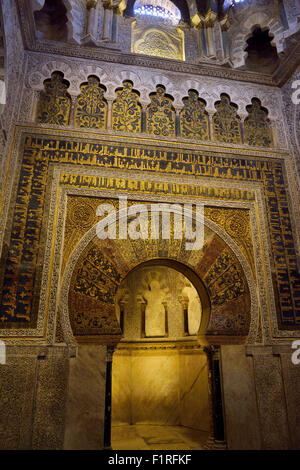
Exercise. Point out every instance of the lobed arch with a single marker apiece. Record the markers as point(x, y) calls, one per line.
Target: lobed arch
point(146, 101)
point(191, 275)
point(213, 326)
point(73, 17)
point(146, 84)
point(244, 32)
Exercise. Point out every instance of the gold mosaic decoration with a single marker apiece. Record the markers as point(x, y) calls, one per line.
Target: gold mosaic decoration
point(226, 122)
point(104, 263)
point(81, 216)
point(91, 106)
point(256, 125)
point(193, 117)
point(152, 41)
point(126, 109)
point(20, 276)
point(236, 223)
point(54, 103)
point(160, 114)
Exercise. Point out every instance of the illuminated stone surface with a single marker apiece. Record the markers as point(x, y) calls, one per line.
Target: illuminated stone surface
point(161, 132)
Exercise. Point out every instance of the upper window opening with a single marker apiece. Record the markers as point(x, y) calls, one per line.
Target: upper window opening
point(232, 3)
point(262, 55)
point(153, 8)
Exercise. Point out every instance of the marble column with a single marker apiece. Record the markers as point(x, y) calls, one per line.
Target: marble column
point(224, 25)
point(217, 439)
point(114, 26)
point(107, 22)
point(90, 29)
point(107, 415)
point(185, 305)
point(177, 119)
point(210, 40)
point(298, 8)
point(211, 126)
point(242, 120)
point(283, 16)
point(225, 39)
point(109, 113)
point(202, 41)
point(72, 112)
point(91, 16)
point(122, 314)
point(144, 108)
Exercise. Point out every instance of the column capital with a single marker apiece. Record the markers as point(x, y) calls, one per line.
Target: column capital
point(110, 348)
point(210, 18)
point(212, 351)
point(91, 4)
point(225, 23)
point(111, 4)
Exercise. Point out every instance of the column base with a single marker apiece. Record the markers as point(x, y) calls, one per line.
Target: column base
point(214, 444)
point(89, 40)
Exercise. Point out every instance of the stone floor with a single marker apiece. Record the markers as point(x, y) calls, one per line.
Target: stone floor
point(152, 437)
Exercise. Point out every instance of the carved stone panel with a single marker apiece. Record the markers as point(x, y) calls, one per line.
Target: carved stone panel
point(226, 122)
point(160, 114)
point(256, 125)
point(126, 109)
point(54, 103)
point(157, 41)
point(91, 106)
point(193, 117)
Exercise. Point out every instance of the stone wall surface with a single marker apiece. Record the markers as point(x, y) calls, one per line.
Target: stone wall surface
point(260, 388)
point(84, 421)
point(50, 400)
point(33, 397)
point(160, 387)
point(291, 381)
point(240, 408)
point(13, 69)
